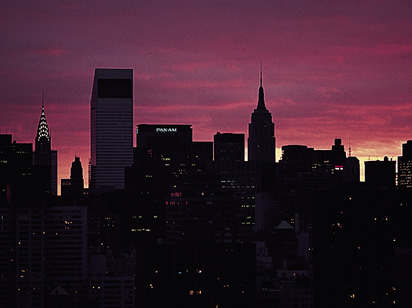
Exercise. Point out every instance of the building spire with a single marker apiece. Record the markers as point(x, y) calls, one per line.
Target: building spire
point(43, 128)
point(261, 101)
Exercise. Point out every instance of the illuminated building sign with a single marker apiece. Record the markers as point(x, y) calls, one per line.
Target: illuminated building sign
point(166, 129)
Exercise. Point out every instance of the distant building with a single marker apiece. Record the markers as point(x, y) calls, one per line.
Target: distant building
point(44, 156)
point(380, 174)
point(405, 166)
point(149, 134)
point(304, 170)
point(75, 185)
point(322, 163)
point(111, 127)
point(16, 170)
point(65, 248)
point(229, 146)
point(165, 158)
point(261, 142)
point(43, 256)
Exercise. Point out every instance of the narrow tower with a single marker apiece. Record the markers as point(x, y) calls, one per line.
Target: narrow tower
point(43, 141)
point(261, 141)
point(76, 176)
point(44, 156)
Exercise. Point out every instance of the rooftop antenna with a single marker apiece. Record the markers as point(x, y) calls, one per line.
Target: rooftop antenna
point(260, 72)
point(42, 98)
point(350, 149)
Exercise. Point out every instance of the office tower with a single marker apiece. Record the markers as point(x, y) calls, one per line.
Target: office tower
point(111, 127)
point(228, 146)
point(171, 146)
point(351, 173)
point(7, 256)
point(16, 170)
point(380, 174)
point(65, 250)
point(405, 165)
point(75, 185)
point(149, 134)
point(76, 175)
point(165, 157)
point(29, 260)
point(44, 156)
point(262, 142)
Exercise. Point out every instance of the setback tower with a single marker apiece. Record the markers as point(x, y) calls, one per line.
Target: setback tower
point(261, 142)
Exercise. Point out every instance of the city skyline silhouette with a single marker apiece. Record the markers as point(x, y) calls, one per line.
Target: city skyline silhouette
point(330, 70)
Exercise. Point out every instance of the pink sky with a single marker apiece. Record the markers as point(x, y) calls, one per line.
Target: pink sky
point(330, 69)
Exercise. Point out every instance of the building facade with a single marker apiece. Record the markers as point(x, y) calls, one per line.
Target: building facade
point(111, 127)
point(405, 166)
point(229, 146)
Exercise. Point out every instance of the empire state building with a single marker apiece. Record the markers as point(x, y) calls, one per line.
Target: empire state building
point(261, 141)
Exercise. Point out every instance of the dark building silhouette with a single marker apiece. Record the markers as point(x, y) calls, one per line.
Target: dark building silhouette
point(149, 134)
point(405, 166)
point(304, 170)
point(44, 156)
point(17, 183)
point(165, 158)
point(351, 171)
point(111, 127)
point(200, 212)
point(186, 228)
point(75, 185)
point(43, 249)
point(380, 174)
point(76, 175)
point(261, 142)
point(228, 146)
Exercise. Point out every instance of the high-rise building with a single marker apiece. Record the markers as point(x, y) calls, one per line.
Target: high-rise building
point(75, 185)
point(405, 165)
point(380, 174)
point(65, 248)
point(261, 142)
point(111, 127)
point(44, 156)
point(16, 170)
point(229, 146)
point(149, 134)
point(165, 158)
